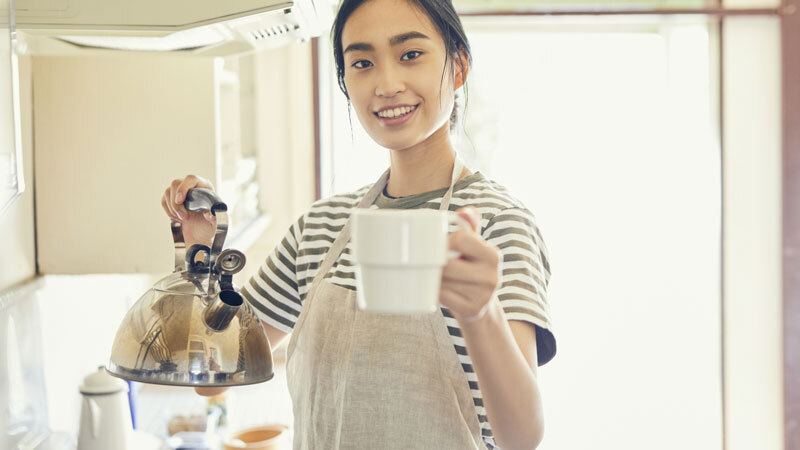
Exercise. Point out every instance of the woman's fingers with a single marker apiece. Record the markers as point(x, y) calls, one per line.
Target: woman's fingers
point(168, 206)
point(468, 290)
point(209, 391)
point(473, 248)
point(175, 195)
point(183, 187)
point(470, 214)
point(468, 272)
point(460, 305)
point(453, 300)
point(177, 209)
point(190, 182)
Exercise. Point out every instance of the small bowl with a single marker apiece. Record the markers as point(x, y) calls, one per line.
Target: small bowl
point(264, 437)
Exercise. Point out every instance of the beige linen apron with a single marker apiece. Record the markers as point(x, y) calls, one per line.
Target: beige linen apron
point(361, 380)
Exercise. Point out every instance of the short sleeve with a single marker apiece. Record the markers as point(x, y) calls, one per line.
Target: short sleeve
point(525, 274)
point(273, 291)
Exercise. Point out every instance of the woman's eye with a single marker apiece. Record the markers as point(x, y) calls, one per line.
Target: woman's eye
point(362, 64)
point(413, 54)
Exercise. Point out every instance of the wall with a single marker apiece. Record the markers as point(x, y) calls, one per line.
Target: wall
point(285, 137)
point(112, 131)
point(56, 329)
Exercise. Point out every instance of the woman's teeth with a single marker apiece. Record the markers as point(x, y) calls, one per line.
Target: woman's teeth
point(396, 112)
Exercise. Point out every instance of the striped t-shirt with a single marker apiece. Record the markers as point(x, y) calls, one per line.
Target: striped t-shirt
point(278, 289)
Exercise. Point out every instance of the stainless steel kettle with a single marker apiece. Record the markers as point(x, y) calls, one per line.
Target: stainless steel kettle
point(193, 328)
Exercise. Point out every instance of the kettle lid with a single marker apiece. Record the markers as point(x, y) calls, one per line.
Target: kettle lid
point(100, 382)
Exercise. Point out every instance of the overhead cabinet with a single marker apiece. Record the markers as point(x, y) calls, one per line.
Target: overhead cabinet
point(112, 131)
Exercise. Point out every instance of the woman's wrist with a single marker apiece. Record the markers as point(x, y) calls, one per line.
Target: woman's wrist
point(479, 316)
point(490, 312)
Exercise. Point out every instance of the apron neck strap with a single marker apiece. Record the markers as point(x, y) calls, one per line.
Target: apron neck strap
point(458, 167)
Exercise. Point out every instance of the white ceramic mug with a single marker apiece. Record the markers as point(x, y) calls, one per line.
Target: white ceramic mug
point(399, 255)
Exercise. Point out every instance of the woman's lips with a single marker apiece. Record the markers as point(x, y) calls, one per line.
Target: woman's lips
point(399, 120)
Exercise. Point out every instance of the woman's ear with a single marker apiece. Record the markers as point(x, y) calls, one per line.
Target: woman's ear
point(461, 62)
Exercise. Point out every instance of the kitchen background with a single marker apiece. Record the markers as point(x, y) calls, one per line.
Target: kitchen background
point(649, 147)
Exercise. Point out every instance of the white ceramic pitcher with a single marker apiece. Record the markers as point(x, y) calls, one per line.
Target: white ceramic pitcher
point(105, 413)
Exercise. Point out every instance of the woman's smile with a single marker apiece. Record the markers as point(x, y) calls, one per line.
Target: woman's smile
point(396, 115)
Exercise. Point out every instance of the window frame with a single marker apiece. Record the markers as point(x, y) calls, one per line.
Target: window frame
point(789, 14)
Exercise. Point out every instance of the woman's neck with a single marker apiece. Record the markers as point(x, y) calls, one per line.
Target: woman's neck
point(424, 167)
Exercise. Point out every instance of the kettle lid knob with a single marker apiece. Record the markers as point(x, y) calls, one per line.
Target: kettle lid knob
point(100, 382)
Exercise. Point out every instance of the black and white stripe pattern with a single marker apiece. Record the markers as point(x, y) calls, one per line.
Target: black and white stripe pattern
point(282, 282)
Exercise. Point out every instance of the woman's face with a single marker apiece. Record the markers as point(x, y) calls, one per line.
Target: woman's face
point(394, 60)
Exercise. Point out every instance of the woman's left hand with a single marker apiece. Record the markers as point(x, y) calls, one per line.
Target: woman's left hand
point(469, 282)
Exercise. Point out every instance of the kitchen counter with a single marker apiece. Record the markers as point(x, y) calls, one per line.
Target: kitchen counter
point(247, 406)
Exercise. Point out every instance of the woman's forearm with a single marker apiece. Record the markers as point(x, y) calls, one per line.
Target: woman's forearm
point(510, 389)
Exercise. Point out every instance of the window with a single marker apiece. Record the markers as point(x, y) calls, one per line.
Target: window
point(607, 130)
point(612, 129)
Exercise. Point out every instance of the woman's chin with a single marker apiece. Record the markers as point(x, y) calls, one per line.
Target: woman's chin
point(395, 143)
point(399, 147)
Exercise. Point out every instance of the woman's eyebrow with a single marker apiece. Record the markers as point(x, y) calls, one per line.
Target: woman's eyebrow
point(394, 40)
point(400, 38)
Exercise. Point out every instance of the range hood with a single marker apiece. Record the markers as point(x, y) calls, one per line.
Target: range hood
point(195, 27)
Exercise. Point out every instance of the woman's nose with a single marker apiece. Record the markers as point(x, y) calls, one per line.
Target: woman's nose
point(388, 83)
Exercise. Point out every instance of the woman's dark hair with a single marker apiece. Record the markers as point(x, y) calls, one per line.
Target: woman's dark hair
point(444, 18)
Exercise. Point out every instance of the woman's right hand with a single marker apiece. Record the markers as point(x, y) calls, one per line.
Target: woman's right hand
point(210, 391)
point(197, 227)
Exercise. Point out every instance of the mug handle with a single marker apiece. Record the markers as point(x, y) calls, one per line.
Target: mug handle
point(462, 223)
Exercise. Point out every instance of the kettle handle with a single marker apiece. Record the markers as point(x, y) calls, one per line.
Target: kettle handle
point(200, 199)
point(94, 412)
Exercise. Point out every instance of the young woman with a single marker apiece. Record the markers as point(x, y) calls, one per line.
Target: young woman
point(464, 377)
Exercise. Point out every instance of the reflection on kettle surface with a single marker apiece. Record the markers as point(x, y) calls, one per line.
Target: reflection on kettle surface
point(169, 341)
point(192, 328)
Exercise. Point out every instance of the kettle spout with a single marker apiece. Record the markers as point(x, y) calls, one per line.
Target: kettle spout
point(223, 308)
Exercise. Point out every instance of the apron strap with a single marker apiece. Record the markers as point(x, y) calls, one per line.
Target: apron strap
point(458, 167)
point(344, 236)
